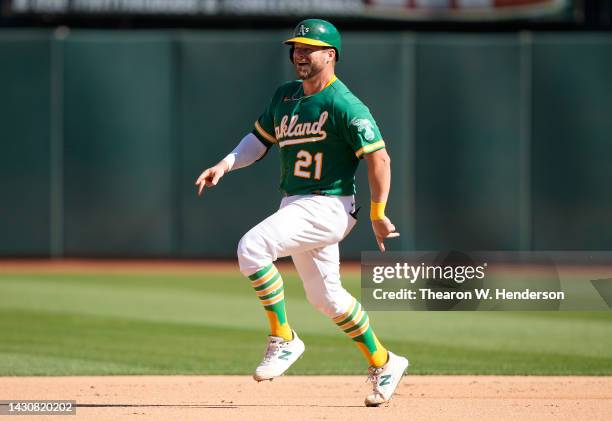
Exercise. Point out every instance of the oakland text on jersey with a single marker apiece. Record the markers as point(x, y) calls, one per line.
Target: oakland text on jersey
point(285, 133)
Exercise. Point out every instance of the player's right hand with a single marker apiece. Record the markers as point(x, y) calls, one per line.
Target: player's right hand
point(210, 177)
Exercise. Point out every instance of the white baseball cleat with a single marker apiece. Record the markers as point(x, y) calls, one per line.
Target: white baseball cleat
point(280, 355)
point(385, 379)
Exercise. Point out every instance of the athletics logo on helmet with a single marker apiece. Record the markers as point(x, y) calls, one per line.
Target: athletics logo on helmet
point(301, 30)
point(316, 32)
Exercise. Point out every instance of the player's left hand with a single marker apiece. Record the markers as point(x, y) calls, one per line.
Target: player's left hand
point(383, 229)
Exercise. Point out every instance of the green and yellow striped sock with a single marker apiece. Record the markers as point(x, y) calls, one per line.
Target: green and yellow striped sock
point(268, 286)
point(356, 324)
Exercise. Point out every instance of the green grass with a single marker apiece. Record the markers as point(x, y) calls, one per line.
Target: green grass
point(136, 324)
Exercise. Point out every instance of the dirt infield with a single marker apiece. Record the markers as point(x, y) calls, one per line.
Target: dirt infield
point(321, 397)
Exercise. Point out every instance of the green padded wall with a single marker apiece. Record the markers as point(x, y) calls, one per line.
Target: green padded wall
point(119, 144)
point(572, 142)
point(25, 141)
point(467, 148)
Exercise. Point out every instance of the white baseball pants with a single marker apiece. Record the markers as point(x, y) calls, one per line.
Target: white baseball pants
point(308, 228)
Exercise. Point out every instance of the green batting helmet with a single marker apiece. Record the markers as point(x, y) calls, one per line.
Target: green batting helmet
point(316, 32)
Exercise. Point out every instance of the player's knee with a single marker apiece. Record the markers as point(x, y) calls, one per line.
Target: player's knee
point(323, 303)
point(246, 253)
point(252, 254)
point(330, 301)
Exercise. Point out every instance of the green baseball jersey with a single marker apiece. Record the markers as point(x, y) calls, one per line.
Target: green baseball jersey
point(321, 137)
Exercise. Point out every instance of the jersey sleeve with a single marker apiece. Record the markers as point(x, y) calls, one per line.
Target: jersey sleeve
point(264, 126)
point(362, 133)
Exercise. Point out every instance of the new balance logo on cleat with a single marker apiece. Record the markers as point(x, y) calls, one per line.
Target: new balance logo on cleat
point(385, 380)
point(285, 355)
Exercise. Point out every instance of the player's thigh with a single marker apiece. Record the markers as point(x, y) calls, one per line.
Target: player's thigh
point(288, 230)
point(300, 224)
point(328, 219)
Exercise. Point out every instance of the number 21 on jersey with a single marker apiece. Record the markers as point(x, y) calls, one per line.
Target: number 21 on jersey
point(303, 164)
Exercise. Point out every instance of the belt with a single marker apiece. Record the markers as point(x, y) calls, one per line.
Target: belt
point(315, 193)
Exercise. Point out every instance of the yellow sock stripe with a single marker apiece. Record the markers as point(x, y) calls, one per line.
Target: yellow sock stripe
point(263, 278)
point(352, 316)
point(275, 285)
point(269, 282)
point(357, 323)
point(273, 300)
point(347, 313)
point(272, 294)
point(355, 320)
point(361, 330)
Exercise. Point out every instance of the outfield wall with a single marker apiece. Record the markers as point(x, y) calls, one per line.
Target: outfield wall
point(498, 141)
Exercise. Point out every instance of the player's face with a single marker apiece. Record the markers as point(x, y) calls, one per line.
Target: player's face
point(310, 60)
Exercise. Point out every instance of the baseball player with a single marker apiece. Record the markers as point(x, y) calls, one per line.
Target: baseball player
point(322, 131)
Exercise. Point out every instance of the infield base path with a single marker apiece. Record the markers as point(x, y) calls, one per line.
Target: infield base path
point(319, 397)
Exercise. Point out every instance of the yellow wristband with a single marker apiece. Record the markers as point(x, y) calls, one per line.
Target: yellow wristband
point(377, 210)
